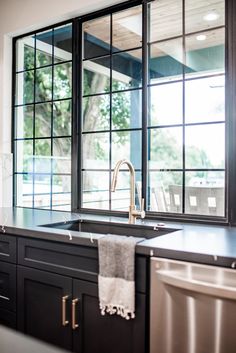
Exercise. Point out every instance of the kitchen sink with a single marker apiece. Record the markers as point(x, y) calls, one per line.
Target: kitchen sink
point(135, 230)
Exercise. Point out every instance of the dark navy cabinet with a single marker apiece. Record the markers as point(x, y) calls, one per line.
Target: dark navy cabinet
point(57, 300)
point(8, 270)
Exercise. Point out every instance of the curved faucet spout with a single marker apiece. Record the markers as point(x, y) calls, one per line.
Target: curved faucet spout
point(132, 178)
point(132, 209)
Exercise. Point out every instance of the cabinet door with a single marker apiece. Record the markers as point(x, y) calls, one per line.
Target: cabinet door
point(7, 318)
point(41, 306)
point(7, 286)
point(110, 333)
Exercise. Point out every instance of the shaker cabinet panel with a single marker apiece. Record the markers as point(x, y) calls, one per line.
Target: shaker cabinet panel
point(7, 286)
point(7, 248)
point(7, 318)
point(69, 260)
point(96, 333)
point(42, 298)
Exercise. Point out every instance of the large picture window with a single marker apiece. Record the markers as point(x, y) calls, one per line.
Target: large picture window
point(149, 87)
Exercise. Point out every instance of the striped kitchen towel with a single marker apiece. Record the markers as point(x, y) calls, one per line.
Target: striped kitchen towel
point(116, 275)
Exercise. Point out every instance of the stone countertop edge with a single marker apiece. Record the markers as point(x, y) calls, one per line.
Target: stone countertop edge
point(205, 244)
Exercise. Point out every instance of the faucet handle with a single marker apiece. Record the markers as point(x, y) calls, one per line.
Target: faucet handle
point(142, 212)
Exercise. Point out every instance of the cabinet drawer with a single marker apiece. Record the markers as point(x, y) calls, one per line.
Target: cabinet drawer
point(7, 286)
point(71, 260)
point(7, 248)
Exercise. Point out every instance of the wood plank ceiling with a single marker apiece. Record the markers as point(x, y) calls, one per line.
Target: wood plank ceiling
point(165, 23)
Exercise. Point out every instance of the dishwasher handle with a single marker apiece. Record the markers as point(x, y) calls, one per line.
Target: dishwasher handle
point(211, 289)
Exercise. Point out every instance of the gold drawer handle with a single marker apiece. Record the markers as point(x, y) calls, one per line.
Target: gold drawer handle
point(64, 300)
point(74, 324)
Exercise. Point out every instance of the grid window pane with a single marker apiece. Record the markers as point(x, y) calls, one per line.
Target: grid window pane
point(205, 53)
point(96, 37)
point(43, 84)
point(62, 155)
point(166, 61)
point(44, 48)
point(24, 189)
point(62, 43)
point(165, 191)
point(24, 87)
point(127, 29)
point(166, 149)
point(205, 99)
point(127, 110)
point(62, 85)
point(61, 184)
point(127, 145)
point(201, 15)
point(43, 156)
point(62, 118)
point(204, 193)
point(43, 115)
point(127, 70)
point(166, 104)
point(95, 151)
point(165, 19)
point(25, 53)
point(96, 76)
point(61, 192)
point(24, 156)
point(205, 146)
point(24, 121)
point(95, 190)
point(96, 113)
point(42, 191)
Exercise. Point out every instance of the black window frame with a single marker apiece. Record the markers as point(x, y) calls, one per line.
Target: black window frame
point(34, 103)
point(230, 121)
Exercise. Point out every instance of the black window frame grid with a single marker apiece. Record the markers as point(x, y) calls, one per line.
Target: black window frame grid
point(230, 117)
point(34, 103)
point(184, 124)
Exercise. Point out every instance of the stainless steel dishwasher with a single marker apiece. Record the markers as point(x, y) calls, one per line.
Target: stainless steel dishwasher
point(193, 308)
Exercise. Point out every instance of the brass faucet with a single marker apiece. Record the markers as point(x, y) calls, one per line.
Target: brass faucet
point(133, 213)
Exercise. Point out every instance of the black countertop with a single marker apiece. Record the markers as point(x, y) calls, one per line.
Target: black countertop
point(215, 245)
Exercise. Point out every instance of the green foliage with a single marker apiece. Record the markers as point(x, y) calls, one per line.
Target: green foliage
point(28, 94)
point(120, 110)
point(42, 59)
point(28, 57)
point(96, 111)
point(62, 81)
point(197, 157)
point(62, 118)
point(43, 112)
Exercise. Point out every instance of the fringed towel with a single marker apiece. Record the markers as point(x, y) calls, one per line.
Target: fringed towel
point(116, 275)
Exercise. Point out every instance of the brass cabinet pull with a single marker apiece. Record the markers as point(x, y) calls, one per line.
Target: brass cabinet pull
point(64, 300)
point(74, 324)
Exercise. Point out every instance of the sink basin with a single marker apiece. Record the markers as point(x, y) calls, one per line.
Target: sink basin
point(112, 228)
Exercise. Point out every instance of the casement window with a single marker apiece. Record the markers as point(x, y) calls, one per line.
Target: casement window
point(42, 119)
